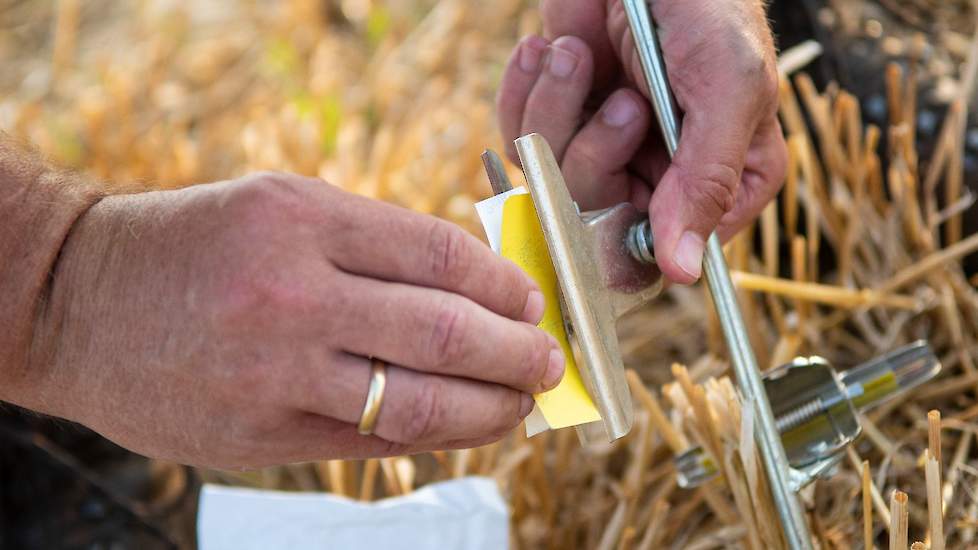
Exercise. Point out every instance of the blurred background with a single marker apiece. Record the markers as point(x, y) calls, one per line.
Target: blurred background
point(389, 99)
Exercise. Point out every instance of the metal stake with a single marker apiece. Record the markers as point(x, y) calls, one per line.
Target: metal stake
point(721, 288)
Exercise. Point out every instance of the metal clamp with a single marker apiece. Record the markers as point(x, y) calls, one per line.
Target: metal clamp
point(599, 278)
point(815, 408)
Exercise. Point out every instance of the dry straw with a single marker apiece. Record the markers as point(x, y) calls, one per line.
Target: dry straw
point(900, 512)
point(394, 99)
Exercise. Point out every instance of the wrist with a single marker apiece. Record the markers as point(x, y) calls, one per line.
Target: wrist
point(38, 209)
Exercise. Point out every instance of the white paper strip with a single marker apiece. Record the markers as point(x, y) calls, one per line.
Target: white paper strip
point(491, 215)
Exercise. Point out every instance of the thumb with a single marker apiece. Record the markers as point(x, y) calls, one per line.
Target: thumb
point(698, 189)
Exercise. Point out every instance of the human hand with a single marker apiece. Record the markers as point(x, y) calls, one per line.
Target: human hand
point(228, 325)
point(582, 88)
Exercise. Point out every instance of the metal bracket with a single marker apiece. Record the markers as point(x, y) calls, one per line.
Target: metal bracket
point(817, 409)
point(599, 278)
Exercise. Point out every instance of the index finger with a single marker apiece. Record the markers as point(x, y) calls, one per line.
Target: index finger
point(383, 241)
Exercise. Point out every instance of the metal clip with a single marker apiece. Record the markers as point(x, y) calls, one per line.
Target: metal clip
point(599, 278)
point(815, 408)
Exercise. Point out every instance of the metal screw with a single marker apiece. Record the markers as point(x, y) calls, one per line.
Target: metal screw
point(797, 417)
point(639, 242)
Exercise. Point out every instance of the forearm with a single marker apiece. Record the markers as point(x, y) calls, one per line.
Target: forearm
point(38, 207)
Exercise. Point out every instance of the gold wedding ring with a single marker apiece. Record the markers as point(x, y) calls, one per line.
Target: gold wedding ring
point(375, 396)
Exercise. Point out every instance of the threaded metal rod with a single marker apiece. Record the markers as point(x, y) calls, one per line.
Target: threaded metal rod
point(799, 415)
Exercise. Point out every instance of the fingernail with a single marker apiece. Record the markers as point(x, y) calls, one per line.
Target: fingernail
point(530, 53)
point(555, 370)
point(689, 254)
point(526, 405)
point(561, 63)
point(533, 310)
point(620, 111)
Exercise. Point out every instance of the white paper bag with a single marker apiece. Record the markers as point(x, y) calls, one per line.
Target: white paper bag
point(464, 513)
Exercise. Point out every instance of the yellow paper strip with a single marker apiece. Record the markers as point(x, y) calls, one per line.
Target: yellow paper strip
point(522, 242)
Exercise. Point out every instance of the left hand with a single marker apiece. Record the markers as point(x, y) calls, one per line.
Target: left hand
point(583, 89)
point(229, 325)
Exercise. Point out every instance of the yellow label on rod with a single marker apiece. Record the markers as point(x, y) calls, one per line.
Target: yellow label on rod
point(522, 242)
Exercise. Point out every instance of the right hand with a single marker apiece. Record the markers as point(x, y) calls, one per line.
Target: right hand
point(228, 325)
point(581, 86)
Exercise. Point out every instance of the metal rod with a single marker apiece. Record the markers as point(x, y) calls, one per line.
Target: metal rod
point(496, 172)
point(721, 288)
point(654, 68)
